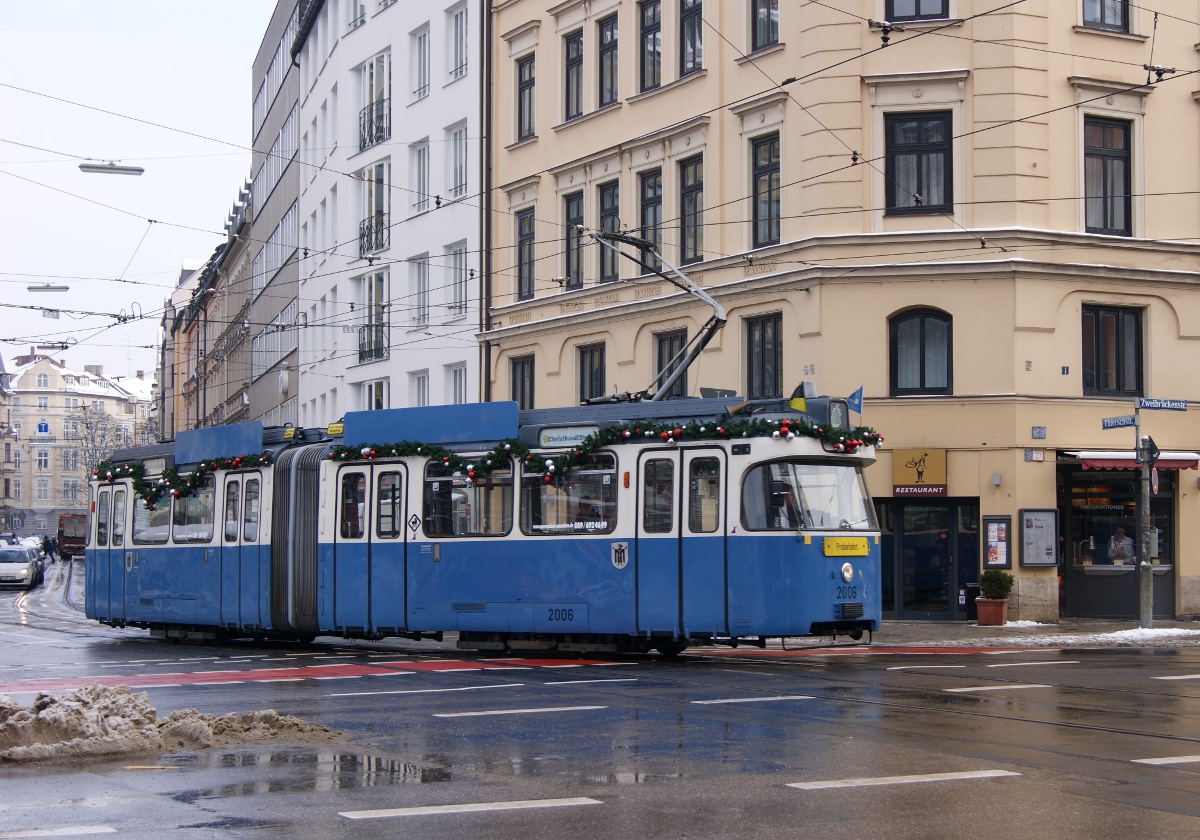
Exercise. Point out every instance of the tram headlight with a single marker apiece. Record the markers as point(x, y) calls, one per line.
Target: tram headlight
point(847, 572)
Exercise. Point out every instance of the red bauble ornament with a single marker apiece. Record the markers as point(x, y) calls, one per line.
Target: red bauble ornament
point(664, 435)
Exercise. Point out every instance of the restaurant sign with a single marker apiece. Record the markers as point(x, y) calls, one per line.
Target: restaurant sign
point(919, 472)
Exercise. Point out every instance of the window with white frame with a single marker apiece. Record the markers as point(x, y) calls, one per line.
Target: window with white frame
point(71, 460)
point(373, 231)
point(358, 13)
point(375, 117)
point(458, 43)
point(420, 63)
point(16, 459)
point(458, 161)
point(456, 266)
point(373, 339)
point(419, 382)
point(43, 403)
point(71, 490)
point(376, 395)
point(420, 176)
point(419, 303)
point(42, 459)
point(41, 488)
point(456, 378)
point(43, 380)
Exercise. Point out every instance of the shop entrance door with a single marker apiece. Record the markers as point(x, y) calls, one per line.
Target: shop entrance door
point(930, 552)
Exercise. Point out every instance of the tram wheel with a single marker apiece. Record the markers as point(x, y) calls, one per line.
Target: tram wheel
point(855, 634)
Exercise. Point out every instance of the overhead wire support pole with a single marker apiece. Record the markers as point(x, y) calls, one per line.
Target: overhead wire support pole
point(679, 365)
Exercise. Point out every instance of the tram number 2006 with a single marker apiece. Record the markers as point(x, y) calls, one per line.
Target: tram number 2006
point(560, 615)
point(847, 591)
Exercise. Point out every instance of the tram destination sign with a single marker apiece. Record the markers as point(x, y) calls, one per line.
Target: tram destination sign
point(1119, 422)
point(1156, 404)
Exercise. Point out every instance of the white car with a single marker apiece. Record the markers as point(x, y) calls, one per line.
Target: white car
point(20, 567)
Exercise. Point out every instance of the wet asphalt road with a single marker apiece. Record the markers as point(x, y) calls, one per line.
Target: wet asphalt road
point(1044, 743)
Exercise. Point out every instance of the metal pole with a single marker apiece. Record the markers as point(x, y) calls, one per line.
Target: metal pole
point(1145, 572)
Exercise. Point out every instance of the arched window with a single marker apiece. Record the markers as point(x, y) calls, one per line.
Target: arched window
point(921, 353)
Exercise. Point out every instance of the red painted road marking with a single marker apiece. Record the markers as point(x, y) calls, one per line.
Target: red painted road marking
point(856, 651)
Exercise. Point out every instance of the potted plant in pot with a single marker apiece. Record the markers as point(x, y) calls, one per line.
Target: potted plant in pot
point(992, 604)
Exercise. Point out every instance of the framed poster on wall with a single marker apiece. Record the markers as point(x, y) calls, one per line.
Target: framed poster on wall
point(996, 552)
point(1039, 537)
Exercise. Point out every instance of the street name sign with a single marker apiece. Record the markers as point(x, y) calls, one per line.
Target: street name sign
point(1119, 422)
point(1161, 405)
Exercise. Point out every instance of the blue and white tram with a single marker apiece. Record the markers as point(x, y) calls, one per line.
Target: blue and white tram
point(621, 527)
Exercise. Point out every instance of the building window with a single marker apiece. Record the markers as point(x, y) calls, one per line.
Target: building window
point(918, 163)
point(651, 63)
point(1112, 352)
point(610, 222)
point(375, 118)
point(574, 77)
point(764, 23)
point(373, 335)
point(651, 183)
point(42, 459)
point(458, 385)
point(43, 403)
point(691, 205)
point(525, 255)
point(591, 372)
point(420, 389)
point(375, 395)
point(458, 162)
point(1107, 182)
point(1106, 14)
point(668, 348)
point(41, 489)
point(764, 378)
point(458, 44)
point(522, 382)
point(608, 60)
point(358, 13)
point(43, 380)
point(691, 37)
point(420, 293)
point(525, 98)
point(457, 257)
point(374, 232)
point(421, 64)
point(766, 190)
point(921, 353)
point(574, 213)
point(420, 160)
point(900, 10)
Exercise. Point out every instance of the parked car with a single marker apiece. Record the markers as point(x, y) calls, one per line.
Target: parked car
point(20, 567)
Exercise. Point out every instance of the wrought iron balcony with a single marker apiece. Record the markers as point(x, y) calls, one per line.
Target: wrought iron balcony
point(373, 234)
point(373, 342)
point(374, 123)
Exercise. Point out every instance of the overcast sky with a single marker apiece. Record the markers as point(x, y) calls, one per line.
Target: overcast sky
point(180, 63)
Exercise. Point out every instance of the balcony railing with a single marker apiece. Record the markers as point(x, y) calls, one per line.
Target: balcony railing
point(373, 234)
point(373, 342)
point(374, 123)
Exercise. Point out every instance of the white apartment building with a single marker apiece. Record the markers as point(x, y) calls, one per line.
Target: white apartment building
point(389, 207)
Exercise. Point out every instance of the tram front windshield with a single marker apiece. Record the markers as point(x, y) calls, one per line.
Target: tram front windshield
point(787, 495)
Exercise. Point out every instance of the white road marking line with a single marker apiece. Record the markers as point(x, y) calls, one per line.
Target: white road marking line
point(752, 699)
point(351, 677)
point(520, 711)
point(587, 682)
point(423, 690)
point(923, 667)
point(993, 687)
point(1180, 677)
point(468, 809)
point(1040, 662)
point(234, 671)
point(1178, 759)
point(159, 685)
point(65, 831)
point(902, 780)
point(227, 682)
point(282, 679)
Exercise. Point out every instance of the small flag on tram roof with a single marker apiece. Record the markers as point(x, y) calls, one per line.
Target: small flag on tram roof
point(854, 401)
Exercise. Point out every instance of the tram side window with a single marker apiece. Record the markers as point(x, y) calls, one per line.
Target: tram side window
point(354, 505)
point(658, 496)
point(785, 495)
point(250, 520)
point(455, 506)
point(118, 520)
point(704, 494)
point(151, 526)
point(582, 502)
point(387, 515)
point(194, 514)
point(232, 493)
point(102, 519)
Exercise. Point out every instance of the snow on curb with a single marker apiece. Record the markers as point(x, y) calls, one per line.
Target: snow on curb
point(113, 721)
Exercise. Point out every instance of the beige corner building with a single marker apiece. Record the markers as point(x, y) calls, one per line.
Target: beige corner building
point(988, 219)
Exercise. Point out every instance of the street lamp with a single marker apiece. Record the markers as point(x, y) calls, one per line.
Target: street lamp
point(47, 287)
point(110, 168)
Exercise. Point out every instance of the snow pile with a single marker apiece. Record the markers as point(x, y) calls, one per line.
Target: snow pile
point(113, 721)
point(1136, 637)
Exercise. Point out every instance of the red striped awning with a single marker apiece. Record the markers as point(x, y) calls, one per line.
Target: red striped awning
point(1125, 459)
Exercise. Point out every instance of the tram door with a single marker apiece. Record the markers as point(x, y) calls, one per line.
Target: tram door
point(682, 568)
point(242, 578)
point(368, 568)
point(109, 577)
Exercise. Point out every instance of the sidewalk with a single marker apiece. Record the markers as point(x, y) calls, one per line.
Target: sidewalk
point(1067, 632)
